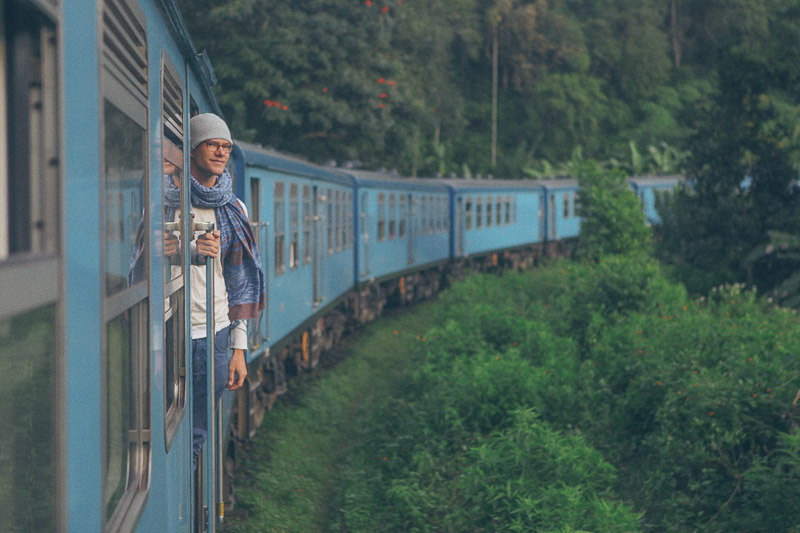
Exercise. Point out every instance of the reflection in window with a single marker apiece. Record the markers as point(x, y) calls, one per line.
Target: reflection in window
point(125, 250)
point(381, 217)
point(401, 216)
point(294, 226)
point(280, 228)
point(27, 378)
point(172, 180)
point(125, 417)
point(306, 224)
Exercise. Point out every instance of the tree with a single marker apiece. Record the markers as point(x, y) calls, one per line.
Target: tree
point(612, 221)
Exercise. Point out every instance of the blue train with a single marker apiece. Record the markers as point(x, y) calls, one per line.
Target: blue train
point(94, 322)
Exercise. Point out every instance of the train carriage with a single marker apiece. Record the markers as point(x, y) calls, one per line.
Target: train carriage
point(492, 215)
point(303, 217)
point(95, 235)
point(402, 224)
point(648, 189)
point(562, 220)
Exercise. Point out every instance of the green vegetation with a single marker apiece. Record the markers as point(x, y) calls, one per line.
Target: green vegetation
point(409, 84)
point(593, 397)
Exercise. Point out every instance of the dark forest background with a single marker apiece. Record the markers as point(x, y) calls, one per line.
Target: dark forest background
point(708, 89)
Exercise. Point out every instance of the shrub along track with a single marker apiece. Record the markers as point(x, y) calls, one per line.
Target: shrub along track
point(287, 477)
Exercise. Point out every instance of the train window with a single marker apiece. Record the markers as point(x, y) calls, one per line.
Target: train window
point(499, 211)
point(330, 221)
point(294, 226)
point(402, 214)
point(30, 180)
point(280, 228)
point(338, 218)
point(489, 218)
point(479, 213)
point(349, 209)
point(552, 217)
point(431, 215)
point(508, 210)
point(445, 219)
point(174, 259)
point(392, 217)
point(125, 182)
point(514, 205)
point(381, 217)
point(469, 214)
point(566, 205)
point(306, 224)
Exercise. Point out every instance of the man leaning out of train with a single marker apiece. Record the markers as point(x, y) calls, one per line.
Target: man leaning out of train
point(239, 286)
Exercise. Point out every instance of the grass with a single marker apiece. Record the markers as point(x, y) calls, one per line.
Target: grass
point(287, 479)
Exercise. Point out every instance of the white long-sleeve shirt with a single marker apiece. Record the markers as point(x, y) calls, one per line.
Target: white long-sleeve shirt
point(239, 329)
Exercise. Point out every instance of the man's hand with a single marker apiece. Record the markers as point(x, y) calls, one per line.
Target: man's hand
point(208, 244)
point(237, 367)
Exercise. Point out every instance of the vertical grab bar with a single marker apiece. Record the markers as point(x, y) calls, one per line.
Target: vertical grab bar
point(214, 447)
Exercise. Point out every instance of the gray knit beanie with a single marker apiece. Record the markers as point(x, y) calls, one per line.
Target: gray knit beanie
point(208, 126)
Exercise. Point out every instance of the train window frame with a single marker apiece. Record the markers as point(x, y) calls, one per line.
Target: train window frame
point(306, 224)
point(392, 216)
point(124, 94)
point(402, 215)
point(337, 227)
point(381, 217)
point(329, 221)
point(349, 208)
point(294, 226)
point(279, 235)
point(175, 316)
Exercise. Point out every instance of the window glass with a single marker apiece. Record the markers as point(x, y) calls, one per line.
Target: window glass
point(330, 222)
point(294, 226)
point(479, 213)
point(280, 227)
point(489, 218)
point(172, 246)
point(30, 180)
point(381, 217)
point(27, 412)
point(401, 216)
point(468, 210)
point(306, 224)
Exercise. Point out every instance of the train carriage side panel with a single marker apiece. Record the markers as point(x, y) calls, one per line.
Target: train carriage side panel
point(494, 215)
point(305, 216)
point(403, 224)
point(561, 208)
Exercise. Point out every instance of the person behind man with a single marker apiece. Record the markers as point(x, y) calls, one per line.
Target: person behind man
point(239, 286)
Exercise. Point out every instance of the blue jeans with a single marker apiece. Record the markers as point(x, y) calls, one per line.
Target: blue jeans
point(199, 408)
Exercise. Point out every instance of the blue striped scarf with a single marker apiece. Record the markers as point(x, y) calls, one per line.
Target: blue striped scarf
point(241, 262)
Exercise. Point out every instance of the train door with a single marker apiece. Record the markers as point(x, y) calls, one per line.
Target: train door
point(552, 215)
point(31, 326)
point(412, 228)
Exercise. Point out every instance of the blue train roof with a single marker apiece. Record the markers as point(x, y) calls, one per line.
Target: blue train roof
point(253, 155)
point(651, 181)
point(366, 178)
point(466, 185)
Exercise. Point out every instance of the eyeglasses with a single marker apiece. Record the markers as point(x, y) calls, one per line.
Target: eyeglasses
point(213, 146)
